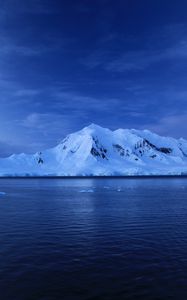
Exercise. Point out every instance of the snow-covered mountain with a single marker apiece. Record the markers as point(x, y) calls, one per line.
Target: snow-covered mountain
point(99, 151)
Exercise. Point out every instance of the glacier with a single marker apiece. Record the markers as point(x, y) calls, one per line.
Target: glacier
point(97, 151)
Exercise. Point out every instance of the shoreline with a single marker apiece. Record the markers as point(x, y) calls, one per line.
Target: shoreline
point(96, 177)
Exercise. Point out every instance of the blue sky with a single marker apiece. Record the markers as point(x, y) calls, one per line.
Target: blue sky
point(67, 63)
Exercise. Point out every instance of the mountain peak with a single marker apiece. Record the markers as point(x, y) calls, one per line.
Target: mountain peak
point(94, 125)
point(95, 128)
point(95, 150)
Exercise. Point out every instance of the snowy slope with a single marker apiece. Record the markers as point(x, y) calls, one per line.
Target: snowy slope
point(99, 151)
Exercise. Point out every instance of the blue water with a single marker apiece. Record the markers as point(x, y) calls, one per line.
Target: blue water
point(93, 239)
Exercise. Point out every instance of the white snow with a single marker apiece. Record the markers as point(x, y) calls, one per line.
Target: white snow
point(86, 191)
point(101, 152)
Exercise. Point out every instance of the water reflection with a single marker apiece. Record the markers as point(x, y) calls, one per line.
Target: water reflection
point(93, 239)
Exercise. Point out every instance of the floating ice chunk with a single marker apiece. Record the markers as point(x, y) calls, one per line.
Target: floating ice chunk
point(76, 259)
point(2, 193)
point(87, 191)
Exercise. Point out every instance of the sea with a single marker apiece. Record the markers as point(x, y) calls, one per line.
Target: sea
point(93, 238)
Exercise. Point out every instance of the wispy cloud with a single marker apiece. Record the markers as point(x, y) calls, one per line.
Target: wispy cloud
point(75, 101)
point(27, 92)
point(14, 93)
point(39, 121)
point(49, 127)
point(11, 46)
point(170, 125)
point(136, 60)
point(174, 47)
point(29, 6)
point(7, 148)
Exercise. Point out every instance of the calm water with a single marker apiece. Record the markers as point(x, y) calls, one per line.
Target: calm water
point(93, 239)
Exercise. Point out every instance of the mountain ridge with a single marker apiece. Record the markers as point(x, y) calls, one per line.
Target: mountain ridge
point(98, 151)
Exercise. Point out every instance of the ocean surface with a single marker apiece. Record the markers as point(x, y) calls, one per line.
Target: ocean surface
point(93, 239)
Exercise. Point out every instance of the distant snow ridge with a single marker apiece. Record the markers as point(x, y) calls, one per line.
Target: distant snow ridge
point(101, 152)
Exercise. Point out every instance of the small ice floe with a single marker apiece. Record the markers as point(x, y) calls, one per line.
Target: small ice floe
point(2, 193)
point(76, 259)
point(106, 187)
point(118, 190)
point(86, 191)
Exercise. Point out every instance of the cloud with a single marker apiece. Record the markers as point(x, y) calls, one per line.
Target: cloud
point(48, 125)
point(29, 6)
point(10, 46)
point(170, 125)
point(36, 120)
point(27, 92)
point(75, 101)
point(13, 94)
point(5, 149)
point(137, 59)
point(168, 44)
point(21, 46)
point(35, 132)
